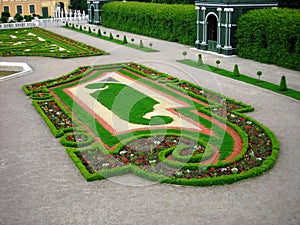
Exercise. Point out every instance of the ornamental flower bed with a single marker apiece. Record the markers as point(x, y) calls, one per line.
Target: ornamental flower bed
point(171, 157)
point(39, 42)
point(76, 139)
point(42, 86)
point(58, 118)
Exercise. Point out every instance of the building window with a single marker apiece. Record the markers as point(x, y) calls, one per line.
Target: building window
point(6, 8)
point(19, 9)
point(31, 9)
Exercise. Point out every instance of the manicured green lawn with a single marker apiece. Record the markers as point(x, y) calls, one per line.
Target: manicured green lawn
point(128, 103)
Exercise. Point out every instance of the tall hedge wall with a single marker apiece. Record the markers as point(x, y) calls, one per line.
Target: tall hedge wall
point(176, 23)
point(270, 36)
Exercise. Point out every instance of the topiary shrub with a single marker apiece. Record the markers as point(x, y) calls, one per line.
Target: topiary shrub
point(236, 72)
point(218, 63)
point(283, 86)
point(99, 33)
point(73, 27)
point(90, 31)
point(259, 73)
point(111, 37)
point(200, 61)
point(80, 28)
point(184, 53)
point(141, 44)
point(125, 40)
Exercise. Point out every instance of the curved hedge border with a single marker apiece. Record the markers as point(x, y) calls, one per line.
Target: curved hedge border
point(73, 139)
point(43, 86)
point(40, 96)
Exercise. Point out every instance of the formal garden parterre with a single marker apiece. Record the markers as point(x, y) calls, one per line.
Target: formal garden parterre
point(189, 135)
point(40, 42)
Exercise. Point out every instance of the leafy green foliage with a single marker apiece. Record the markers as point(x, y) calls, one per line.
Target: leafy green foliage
point(18, 17)
point(174, 23)
point(270, 36)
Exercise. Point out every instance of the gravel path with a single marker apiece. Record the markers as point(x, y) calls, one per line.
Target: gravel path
point(41, 185)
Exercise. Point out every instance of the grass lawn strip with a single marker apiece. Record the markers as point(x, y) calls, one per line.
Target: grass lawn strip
point(259, 83)
point(117, 41)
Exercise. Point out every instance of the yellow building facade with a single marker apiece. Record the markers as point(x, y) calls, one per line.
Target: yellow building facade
point(43, 8)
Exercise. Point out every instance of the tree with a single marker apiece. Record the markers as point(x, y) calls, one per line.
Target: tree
point(5, 16)
point(289, 4)
point(184, 53)
point(259, 73)
point(18, 17)
point(150, 45)
point(218, 63)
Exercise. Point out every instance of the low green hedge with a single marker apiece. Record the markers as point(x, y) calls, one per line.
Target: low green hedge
point(192, 158)
point(75, 143)
point(56, 132)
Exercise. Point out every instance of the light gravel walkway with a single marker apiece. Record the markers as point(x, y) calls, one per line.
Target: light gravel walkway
point(39, 184)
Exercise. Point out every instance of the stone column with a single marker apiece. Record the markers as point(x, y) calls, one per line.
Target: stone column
point(219, 30)
point(228, 47)
point(204, 27)
point(197, 43)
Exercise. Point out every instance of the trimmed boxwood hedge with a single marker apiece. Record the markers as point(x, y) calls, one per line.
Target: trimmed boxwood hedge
point(69, 143)
point(270, 36)
point(174, 23)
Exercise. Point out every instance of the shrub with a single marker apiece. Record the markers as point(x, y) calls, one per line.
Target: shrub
point(80, 28)
point(150, 45)
point(111, 36)
point(141, 44)
point(28, 18)
point(218, 63)
point(283, 86)
point(174, 23)
point(259, 37)
point(99, 33)
point(90, 31)
point(200, 61)
point(125, 40)
point(236, 72)
point(73, 27)
point(18, 17)
point(184, 53)
point(132, 39)
point(259, 73)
